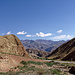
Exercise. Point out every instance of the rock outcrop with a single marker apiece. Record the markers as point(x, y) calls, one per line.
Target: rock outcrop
point(12, 45)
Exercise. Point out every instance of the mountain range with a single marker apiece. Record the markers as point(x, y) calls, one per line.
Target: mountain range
point(12, 52)
point(42, 45)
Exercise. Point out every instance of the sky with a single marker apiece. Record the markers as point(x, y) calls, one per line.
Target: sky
point(38, 19)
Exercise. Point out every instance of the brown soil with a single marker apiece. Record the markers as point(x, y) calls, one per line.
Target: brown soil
point(11, 61)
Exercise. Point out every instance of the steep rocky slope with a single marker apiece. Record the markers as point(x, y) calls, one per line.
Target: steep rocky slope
point(70, 57)
point(65, 51)
point(12, 45)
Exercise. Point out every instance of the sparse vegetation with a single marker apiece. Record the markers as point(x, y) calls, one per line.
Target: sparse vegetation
point(9, 73)
point(28, 68)
point(56, 71)
point(49, 59)
point(38, 63)
point(24, 62)
point(40, 72)
point(51, 63)
point(9, 53)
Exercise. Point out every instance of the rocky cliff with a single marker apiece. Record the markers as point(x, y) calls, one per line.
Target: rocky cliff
point(12, 45)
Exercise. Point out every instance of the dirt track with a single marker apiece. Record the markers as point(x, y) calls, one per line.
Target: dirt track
point(69, 62)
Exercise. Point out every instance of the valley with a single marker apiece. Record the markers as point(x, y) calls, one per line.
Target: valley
point(15, 60)
point(37, 37)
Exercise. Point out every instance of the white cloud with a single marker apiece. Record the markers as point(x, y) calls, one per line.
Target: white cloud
point(62, 37)
point(41, 34)
point(59, 31)
point(28, 35)
point(21, 33)
point(8, 33)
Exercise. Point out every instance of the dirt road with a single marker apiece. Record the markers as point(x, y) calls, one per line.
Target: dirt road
point(70, 62)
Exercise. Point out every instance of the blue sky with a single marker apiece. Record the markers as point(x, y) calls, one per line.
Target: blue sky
point(38, 19)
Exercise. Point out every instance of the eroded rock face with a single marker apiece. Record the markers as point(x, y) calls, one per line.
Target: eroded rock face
point(12, 45)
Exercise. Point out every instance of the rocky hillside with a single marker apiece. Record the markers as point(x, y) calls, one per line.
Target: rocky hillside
point(37, 53)
point(42, 45)
point(12, 45)
point(70, 57)
point(65, 51)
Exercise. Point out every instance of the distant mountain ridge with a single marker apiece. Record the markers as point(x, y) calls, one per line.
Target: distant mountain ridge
point(42, 45)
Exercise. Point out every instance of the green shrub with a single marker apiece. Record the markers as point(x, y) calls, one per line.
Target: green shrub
point(37, 63)
point(24, 62)
point(51, 63)
point(20, 67)
point(48, 59)
point(57, 72)
point(30, 68)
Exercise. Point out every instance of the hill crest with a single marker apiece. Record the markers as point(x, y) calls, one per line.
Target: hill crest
point(12, 45)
